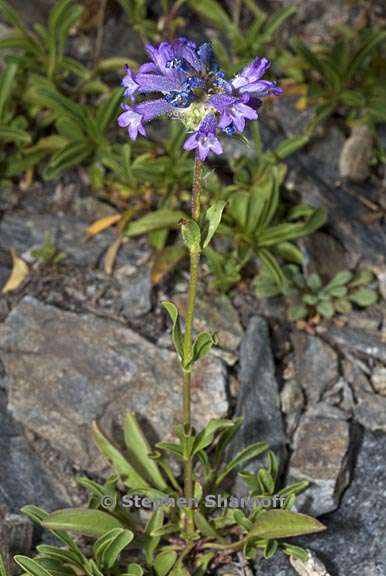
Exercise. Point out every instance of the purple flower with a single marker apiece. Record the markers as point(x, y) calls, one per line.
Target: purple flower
point(131, 120)
point(191, 87)
point(205, 138)
point(249, 80)
point(233, 111)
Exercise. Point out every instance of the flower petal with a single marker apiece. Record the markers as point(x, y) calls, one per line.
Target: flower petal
point(153, 108)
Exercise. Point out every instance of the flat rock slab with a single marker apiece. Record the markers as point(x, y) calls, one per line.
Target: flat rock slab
point(65, 370)
point(23, 478)
point(321, 455)
point(316, 365)
point(259, 400)
point(354, 543)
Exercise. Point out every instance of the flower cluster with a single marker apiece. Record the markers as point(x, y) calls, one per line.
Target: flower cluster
point(192, 88)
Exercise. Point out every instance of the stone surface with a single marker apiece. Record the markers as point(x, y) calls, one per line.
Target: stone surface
point(354, 543)
point(367, 343)
point(135, 285)
point(65, 370)
point(370, 411)
point(378, 379)
point(324, 255)
point(216, 314)
point(316, 366)
point(321, 455)
point(259, 400)
point(354, 161)
point(23, 478)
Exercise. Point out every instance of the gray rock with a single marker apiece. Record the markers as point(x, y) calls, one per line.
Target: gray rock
point(23, 478)
point(356, 340)
point(259, 400)
point(20, 532)
point(321, 455)
point(354, 161)
point(324, 255)
point(378, 379)
point(355, 540)
point(370, 411)
point(135, 284)
point(316, 365)
point(216, 314)
point(66, 370)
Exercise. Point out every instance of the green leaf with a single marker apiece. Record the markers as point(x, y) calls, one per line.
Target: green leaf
point(297, 312)
point(343, 306)
point(213, 11)
point(376, 39)
point(151, 543)
point(272, 267)
point(72, 155)
point(290, 252)
point(247, 454)
point(120, 465)
point(273, 524)
point(108, 547)
point(177, 336)
point(206, 436)
point(364, 297)
point(202, 345)
point(205, 527)
point(81, 521)
point(133, 570)
point(191, 236)
point(164, 562)
point(155, 221)
point(139, 449)
point(31, 566)
point(326, 309)
point(213, 216)
point(362, 278)
point(14, 135)
point(3, 570)
point(35, 513)
point(314, 282)
point(6, 83)
point(340, 279)
point(291, 145)
point(294, 551)
point(108, 110)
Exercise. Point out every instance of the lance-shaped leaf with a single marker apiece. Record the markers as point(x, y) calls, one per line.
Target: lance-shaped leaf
point(191, 235)
point(81, 521)
point(213, 217)
point(31, 567)
point(139, 450)
point(177, 336)
point(155, 221)
point(243, 457)
point(108, 547)
point(205, 527)
point(121, 466)
point(151, 543)
point(206, 436)
point(274, 524)
point(202, 345)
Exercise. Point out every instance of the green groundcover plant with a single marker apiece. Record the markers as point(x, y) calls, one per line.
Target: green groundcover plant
point(168, 509)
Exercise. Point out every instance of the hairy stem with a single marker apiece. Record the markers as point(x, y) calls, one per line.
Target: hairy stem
point(188, 341)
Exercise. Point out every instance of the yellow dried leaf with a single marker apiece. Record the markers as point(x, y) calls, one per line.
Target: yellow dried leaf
point(102, 224)
point(19, 273)
point(165, 261)
point(301, 104)
point(111, 255)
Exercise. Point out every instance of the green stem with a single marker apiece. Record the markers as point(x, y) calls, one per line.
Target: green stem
point(188, 341)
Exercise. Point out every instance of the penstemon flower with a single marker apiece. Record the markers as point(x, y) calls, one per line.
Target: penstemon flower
point(192, 88)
